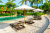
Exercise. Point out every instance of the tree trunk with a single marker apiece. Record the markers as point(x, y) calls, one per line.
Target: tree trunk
point(31, 5)
point(34, 5)
point(49, 0)
point(37, 5)
point(41, 4)
point(10, 9)
point(25, 2)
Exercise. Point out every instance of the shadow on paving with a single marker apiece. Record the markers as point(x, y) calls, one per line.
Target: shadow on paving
point(48, 28)
point(3, 25)
point(35, 26)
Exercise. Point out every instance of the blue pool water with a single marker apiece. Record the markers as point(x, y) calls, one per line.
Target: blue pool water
point(10, 18)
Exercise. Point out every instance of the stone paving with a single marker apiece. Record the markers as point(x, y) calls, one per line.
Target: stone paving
point(38, 27)
point(48, 29)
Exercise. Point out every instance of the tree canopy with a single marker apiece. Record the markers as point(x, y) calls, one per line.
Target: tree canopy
point(46, 6)
point(10, 4)
point(1, 1)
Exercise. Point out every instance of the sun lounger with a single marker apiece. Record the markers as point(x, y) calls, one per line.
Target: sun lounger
point(37, 18)
point(29, 21)
point(18, 26)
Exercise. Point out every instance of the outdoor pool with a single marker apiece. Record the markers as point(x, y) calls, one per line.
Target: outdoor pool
point(10, 18)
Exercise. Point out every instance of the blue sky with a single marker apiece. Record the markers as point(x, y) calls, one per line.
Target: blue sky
point(17, 1)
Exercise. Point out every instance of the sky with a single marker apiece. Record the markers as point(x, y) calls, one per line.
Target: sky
point(17, 2)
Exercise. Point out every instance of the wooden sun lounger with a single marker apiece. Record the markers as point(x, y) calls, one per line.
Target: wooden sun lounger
point(37, 18)
point(17, 26)
point(30, 21)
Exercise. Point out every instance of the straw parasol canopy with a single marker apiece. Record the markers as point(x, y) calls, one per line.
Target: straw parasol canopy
point(24, 7)
point(37, 10)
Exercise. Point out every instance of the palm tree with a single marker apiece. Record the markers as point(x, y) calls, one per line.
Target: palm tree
point(41, 3)
point(10, 4)
point(37, 1)
point(11, 1)
point(31, 2)
point(34, 2)
point(46, 1)
point(22, 1)
point(49, 0)
point(1, 1)
point(26, 2)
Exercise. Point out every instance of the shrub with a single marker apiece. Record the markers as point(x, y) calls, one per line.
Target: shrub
point(29, 13)
point(6, 14)
point(38, 14)
point(1, 10)
point(12, 10)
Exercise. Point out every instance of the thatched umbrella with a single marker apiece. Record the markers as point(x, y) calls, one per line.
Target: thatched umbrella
point(37, 10)
point(24, 7)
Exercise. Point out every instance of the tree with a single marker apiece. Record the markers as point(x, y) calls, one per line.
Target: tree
point(37, 1)
point(1, 1)
point(22, 1)
point(11, 0)
point(41, 3)
point(10, 4)
point(49, 0)
point(46, 1)
point(1, 11)
point(34, 7)
point(2, 6)
point(46, 6)
point(13, 5)
point(31, 2)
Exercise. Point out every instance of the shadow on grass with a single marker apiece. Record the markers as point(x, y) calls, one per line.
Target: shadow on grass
point(3, 25)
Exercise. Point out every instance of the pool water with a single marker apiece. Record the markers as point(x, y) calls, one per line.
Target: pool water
point(10, 18)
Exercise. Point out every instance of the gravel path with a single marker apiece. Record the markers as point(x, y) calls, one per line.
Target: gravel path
point(48, 29)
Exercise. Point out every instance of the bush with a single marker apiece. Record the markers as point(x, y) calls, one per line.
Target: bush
point(33, 14)
point(47, 12)
point(28, 13)
point(12, 10)
point(6, 14)
point(1, 10)
point(19, 12)
point(38, 14)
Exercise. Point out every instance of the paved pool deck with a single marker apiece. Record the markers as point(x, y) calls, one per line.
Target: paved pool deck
point(38, 27)
point(48, 28)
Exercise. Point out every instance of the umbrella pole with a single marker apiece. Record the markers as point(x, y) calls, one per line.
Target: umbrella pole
point(24, 16)
point(37, 14)
point(41, 12)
